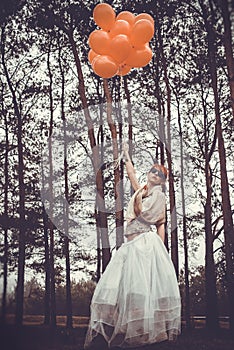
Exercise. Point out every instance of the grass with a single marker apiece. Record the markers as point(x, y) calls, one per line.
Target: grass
point(29, 320)
point(33, 335)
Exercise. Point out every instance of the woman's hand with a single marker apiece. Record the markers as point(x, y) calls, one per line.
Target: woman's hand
point(125, 147)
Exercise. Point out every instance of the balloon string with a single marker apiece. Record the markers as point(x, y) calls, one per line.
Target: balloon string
point(124, 119)
point(118, 160)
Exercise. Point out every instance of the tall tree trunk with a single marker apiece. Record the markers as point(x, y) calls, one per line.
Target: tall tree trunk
point(122, 136)
point(211, 294)
point(47, 255)
point(174, 229)
point(228, 44)
point(21, 258)
point(66, 232)
point(212, 322)
point(129, 108)
point(66, 205)
point(210, 280)
point(6, 185)
point(117, 177)
point(130, 125)
point(47, 270)
point(227, 212)
point(185, 233)
point(130, 121)
point(51, 214)
point(98, 271)
point(21, 255)
point(226, 204)
point(68, 284)
point(161, 127)
point(96, 160)
point(100, 141)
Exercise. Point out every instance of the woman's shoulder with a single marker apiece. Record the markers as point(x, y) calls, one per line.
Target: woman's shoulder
point(158, 193)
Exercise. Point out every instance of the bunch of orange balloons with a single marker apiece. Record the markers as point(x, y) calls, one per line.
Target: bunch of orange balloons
point(122, 42)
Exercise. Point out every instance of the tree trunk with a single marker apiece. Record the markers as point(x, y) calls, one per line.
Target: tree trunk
point(98, 271)
point(227, 41)
point(51, 225)
point(47, 256)
point(47, 270)
point(161, 130)
point(185, 234)
point(68, 284)
point(66, 205)
point(212, 322)
point(211, 295)
point(130, 122)
point(227, 213)
point(174, 229)
point(117, 178)
point(96, 161)
point(21, 256)
point(6, 185)
point(100, 141)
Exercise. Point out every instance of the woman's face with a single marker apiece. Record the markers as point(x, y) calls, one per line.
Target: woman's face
point(155, 176)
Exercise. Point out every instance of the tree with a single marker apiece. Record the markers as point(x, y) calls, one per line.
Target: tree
point(227, 213)
point(6, 209)
point(118, 189)
point(66, 205)
point(21, 257)
point(227, 42)
point(9, 8)
point(174, 228)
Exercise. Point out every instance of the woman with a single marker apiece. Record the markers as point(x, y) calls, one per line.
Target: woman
point(137, 300)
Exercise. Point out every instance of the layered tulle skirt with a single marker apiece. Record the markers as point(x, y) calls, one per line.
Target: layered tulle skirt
point(137, 300)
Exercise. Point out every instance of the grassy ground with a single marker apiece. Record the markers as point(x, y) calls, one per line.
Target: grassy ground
point(33, 336)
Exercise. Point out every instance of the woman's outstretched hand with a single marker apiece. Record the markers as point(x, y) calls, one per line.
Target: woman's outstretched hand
point(125, 147)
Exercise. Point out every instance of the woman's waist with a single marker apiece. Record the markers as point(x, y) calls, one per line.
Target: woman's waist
point(137, 226)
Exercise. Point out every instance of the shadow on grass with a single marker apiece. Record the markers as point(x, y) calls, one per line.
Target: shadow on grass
point(45, 338)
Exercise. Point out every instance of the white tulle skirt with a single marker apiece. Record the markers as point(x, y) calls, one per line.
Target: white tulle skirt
point(137, 300)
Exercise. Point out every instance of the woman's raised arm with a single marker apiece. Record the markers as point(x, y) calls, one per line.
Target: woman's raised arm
point(130, 169)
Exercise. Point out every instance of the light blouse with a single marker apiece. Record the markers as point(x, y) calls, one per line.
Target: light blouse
point(151, 207)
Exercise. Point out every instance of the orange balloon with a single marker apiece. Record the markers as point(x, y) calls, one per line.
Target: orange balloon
point(126, 16)
point(104, 16)
point(99, 41)
point(94, 59)
point(120, 48)
point(91, 55)
point(120, 27)
point(144, 16)
point(105, 66)
point(139, 58)
point(123, 69)
point(142, 32)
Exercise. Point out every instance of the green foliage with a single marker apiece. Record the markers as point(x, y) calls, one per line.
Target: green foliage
point(197, 292)
point(82, 292)
point(9, 8)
